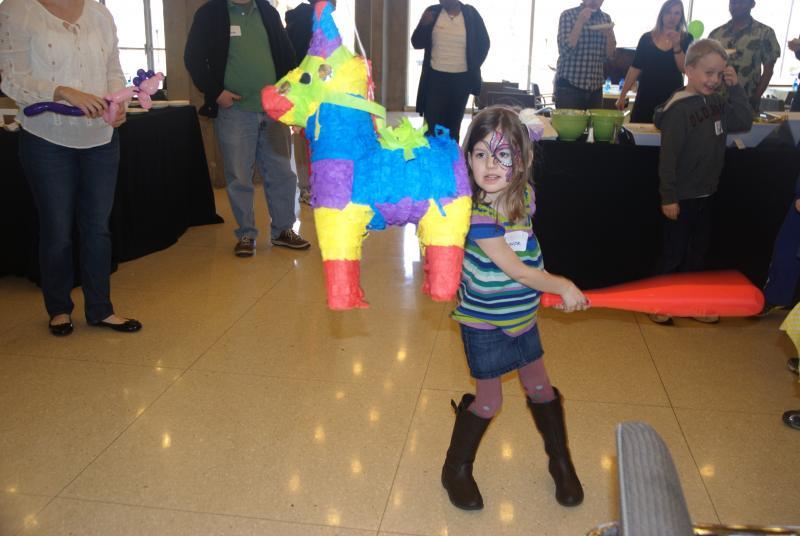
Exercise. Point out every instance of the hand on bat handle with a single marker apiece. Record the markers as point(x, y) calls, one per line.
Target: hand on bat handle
point(570, 298)
point(556, 302)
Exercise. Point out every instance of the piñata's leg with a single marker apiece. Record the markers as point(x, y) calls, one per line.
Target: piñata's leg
point(340, 234)
point(442, 239)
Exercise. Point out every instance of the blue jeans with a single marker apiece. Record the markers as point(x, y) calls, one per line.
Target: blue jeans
point(685, 241)
point(246, 139)
point(491, 353)
point(784, 270)
point(568, 96)
point(68, 186)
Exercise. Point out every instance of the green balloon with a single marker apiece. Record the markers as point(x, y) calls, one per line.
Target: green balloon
point(696, 29)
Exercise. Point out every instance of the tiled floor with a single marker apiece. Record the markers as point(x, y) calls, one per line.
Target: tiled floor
point(246, 407)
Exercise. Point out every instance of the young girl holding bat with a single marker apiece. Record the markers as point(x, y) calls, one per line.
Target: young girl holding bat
point(502, 279)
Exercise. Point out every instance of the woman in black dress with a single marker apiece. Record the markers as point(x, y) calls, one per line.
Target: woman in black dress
point(659, 63)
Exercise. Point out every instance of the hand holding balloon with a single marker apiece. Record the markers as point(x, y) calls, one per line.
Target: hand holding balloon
point(91, 105)
point(145, 84)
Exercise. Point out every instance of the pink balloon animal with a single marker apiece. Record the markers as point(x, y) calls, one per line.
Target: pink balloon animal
point(145, 84)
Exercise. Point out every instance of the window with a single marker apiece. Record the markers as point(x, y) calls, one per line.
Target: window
point(140, 30)
point(344, 15)
point(524, 47)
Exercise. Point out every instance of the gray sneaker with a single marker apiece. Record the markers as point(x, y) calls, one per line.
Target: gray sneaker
point(305, 196)
point(245, 247)
point(664, 320)
point(290, 239)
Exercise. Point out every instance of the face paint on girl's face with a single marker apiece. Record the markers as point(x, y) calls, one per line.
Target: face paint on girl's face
point(499, 149)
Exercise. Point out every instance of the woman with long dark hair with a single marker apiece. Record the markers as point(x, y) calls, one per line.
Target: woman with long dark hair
point(659, 62)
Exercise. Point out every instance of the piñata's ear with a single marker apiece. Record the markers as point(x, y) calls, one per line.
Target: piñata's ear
point(325, 38)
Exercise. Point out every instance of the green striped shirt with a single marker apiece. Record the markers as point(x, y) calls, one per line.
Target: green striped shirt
point(487, 297)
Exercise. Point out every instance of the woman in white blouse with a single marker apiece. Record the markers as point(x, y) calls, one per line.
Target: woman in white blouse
point(456, 44)
point(66, 50)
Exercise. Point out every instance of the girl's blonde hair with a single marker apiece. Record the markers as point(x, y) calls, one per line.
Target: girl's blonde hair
point(704, 47)
point(664, 10)
point(507, 121)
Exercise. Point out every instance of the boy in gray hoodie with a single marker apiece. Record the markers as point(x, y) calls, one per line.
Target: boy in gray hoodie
point(694, 124)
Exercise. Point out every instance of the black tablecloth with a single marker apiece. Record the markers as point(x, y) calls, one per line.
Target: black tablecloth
point(163, 188)
point(598, 217)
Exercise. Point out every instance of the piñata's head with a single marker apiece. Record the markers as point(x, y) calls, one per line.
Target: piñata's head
point(329, 73)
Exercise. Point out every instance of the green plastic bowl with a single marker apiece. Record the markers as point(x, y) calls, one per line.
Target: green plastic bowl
point(606, 123)
point(570, 124)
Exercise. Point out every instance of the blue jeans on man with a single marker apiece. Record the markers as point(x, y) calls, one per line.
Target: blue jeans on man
point(73, 185)
point(248, 139)
point(784, 270)
point(566, 95)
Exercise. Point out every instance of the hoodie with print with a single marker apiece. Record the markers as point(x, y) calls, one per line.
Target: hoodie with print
point(694, 129)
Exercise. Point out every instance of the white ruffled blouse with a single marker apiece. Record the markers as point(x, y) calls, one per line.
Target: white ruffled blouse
point(39, 51)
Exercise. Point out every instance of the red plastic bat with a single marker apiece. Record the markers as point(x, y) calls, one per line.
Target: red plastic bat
point(726, 293)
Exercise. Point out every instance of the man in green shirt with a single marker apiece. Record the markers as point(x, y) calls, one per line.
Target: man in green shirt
point(753, 49)
point(234, 49)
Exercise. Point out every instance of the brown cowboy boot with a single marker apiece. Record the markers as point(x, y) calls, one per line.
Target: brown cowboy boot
point(549, 419)
point(457, 470)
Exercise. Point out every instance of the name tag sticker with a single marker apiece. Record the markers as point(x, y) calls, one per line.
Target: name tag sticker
point(236, 31)
point(517, 240)
point(718, 127)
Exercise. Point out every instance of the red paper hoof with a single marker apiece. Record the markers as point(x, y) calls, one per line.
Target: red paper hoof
point(342, 280)
point(442, 271)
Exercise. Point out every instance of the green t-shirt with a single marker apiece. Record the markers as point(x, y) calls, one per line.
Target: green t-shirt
point(250, 65)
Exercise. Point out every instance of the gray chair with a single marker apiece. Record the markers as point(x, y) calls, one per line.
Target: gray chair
point(651, 498)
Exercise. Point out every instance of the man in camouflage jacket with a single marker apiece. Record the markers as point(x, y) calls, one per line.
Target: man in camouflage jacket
point(756, 49)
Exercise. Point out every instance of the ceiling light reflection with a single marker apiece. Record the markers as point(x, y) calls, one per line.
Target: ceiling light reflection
point(339, 395)
point(606, 462)
point(506, 512)
point(334, 517)
point(294, 483)
point(507, 451)
point(319, 434)
point(166, 441)
point(355, 467)
point(401, 355)
point(707, 470)
point(358, 368)
point(374, 415)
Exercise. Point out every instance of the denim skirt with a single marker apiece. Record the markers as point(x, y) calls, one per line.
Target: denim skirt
point(491, 352)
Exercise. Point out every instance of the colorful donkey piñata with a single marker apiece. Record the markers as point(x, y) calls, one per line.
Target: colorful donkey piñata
point(365, 175)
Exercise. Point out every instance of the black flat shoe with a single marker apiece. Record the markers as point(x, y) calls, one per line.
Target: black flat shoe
point(61, 330)
point(129, 326)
